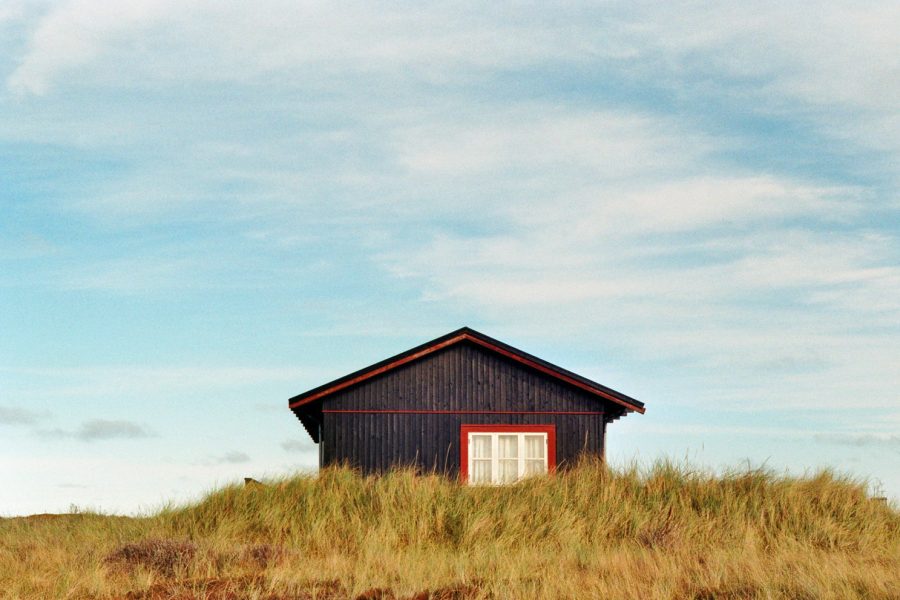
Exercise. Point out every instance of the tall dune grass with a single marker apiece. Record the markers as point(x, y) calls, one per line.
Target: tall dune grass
point(590, 532)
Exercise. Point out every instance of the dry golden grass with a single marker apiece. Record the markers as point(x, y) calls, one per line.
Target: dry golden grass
point(667, 532)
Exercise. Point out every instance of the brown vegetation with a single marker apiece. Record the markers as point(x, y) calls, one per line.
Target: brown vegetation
point(163, 557)
point(668, 532)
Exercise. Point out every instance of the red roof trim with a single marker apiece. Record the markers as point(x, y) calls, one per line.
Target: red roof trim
point(464, 336)
point(553, 373)
point(378, 371)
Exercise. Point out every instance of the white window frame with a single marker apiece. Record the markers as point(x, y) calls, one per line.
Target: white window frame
point(495, 454)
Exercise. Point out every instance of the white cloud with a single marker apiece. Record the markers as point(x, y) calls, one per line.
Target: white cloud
point(571, 254)
point(15, 415)
point(131, 275)
point(564, 174)
point(91, 382)
point(233, 457)
point(79, 32)
point(785, 431)
point(705, 201)
point(819, 53)
point(105, 429)
point(680, 204)
point(886, 440)
point(823, 55)
point(232, 40)
point(302, 445)
point(758, 276)
point(610, 144)
point(837, 52)
point(832, 65)
point(100, 430)
point(821, 269)
point(11, 11)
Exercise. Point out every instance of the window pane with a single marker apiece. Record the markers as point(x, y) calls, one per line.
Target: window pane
point(535, 467)
point(481, 446)
point(509, 470)
point(534, 446)
point(508, 446)
point(481, 471)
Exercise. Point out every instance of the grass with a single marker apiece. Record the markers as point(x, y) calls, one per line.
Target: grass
point(664, 532)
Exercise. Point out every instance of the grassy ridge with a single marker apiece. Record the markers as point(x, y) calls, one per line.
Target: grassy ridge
point(665, 532)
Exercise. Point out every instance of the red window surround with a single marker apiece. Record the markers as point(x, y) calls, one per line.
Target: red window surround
point(465, 430)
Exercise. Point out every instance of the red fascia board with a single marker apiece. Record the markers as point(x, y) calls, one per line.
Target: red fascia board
point(369, 374)
point(554, 373)
point(476, 340)
point(465, 430)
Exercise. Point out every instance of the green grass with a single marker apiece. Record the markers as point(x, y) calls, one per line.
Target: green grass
point(665, 532)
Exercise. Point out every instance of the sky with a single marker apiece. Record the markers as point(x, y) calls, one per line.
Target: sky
point(209, 207)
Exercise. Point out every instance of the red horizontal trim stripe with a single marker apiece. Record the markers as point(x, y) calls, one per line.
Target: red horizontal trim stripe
point(464, 412)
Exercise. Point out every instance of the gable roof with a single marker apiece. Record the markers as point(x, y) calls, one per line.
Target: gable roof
point(466, 334)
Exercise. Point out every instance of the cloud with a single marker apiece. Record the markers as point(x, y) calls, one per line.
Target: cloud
point(234, 457)
point(794, 431)
point(532, 139)
point(550, 263)
point(860, 440)
point(131, 276)
point(77, 32)
point(11, 10)
point(12, 415)
point(699, 202)
point(73, 486)
point(298, 445)
point(818, 60)
point(279, 37)
point(781, 284)
point(106, 381)
point(100, 430)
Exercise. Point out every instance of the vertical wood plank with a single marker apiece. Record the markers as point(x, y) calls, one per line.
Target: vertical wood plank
point(462, 377)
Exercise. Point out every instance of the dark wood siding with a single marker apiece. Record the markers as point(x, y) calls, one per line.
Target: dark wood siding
point(466, 382)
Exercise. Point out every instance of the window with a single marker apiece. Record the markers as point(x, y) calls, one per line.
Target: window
point(497, 454)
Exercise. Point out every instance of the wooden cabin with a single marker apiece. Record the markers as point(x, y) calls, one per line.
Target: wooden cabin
point(463, 404)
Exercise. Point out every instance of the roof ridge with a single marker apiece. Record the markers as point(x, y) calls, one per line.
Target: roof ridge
point(454, 337)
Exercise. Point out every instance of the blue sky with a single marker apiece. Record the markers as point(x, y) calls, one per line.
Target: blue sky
point(208, 207)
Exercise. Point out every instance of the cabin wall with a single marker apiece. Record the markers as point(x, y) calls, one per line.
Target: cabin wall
point(412, 415)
